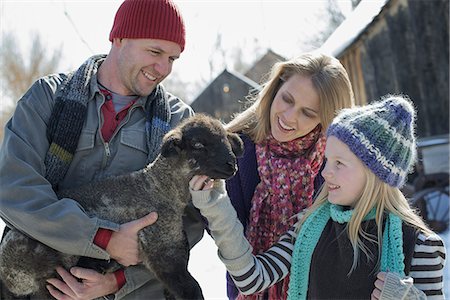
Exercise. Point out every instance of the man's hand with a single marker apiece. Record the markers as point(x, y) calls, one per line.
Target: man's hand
point(123, 245)
point(80, 284)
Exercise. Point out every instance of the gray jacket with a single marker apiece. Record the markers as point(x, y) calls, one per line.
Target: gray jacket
point(27, 201)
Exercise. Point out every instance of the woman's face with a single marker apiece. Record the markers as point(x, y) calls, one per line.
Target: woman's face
point(295, 109)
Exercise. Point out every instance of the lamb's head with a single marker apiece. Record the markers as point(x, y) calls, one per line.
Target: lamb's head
point(204, 146)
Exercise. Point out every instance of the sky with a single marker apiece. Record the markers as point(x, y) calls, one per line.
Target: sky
point(82, 27)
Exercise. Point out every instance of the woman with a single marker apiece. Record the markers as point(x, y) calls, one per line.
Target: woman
point(283, 133)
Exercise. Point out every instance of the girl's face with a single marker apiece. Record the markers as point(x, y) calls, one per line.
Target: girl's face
point(344, 173)
point(295, 109)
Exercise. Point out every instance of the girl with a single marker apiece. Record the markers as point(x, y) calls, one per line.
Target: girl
point(360, 239)
point(283, 133)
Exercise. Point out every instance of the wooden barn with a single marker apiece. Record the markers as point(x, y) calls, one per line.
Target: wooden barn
point(259, 71)
point(225, 95)
point(399, 46)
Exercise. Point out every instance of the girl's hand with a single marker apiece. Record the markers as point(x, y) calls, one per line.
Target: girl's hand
point(201, 182)
point(379, 284)
point(391, 285)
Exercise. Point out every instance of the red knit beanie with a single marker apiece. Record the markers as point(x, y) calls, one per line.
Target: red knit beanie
point(149, 19)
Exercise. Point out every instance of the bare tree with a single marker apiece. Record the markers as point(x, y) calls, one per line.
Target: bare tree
point(334, 17)
point(18, 71)
point(355, 3)
point(241, 63)
point(182, 88)
point(217, 58)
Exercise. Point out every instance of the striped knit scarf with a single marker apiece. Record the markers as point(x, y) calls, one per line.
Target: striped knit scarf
point(69, 113)
point(392, 256)
point(287, 171)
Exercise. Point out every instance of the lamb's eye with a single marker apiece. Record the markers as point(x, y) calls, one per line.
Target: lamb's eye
point(198, 145)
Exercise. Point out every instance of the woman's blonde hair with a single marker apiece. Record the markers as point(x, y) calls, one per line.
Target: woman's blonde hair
point(329, 78)
point(385, 198)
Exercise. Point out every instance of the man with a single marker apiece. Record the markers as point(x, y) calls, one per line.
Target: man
point(106, 118)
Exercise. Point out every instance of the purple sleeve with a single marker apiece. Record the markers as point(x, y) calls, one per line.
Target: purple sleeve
point(240, 187)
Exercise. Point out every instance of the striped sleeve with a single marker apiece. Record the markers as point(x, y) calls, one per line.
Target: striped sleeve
point(427, 265)
point(268, 268)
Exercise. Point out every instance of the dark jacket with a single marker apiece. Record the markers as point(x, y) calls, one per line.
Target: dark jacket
point(241, 187)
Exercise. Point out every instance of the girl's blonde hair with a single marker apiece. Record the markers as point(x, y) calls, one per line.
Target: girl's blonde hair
point(385, 198)
point(329, 78)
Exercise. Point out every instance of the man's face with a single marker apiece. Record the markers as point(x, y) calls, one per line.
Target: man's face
point(144, 63)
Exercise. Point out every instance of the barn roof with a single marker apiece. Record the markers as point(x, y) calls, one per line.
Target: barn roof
point(262, 67)
point(225, 95)
point(353, 26)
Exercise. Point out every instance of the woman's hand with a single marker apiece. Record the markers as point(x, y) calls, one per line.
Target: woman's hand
point(201, 182)
point(81, 284)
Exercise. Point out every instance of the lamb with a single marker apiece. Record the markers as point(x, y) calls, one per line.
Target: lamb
point(199, 145)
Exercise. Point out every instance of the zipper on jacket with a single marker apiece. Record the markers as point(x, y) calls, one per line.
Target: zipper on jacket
point(107, 155)
point(105, 144)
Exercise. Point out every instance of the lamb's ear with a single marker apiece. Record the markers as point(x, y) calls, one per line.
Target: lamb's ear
point(236, 144)
point(171, 144)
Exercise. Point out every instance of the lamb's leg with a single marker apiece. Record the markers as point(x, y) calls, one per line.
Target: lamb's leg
point(99, 265)
point(169, 263)
point(179, 281)
point(25, 264)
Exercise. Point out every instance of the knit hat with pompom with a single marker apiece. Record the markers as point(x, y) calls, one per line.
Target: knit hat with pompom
point(381, 135)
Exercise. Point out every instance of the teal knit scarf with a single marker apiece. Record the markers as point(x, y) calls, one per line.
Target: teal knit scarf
point(391, 254)
point(69, 113)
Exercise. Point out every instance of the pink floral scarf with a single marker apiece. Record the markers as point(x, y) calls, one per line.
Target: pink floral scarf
point(287, 171)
